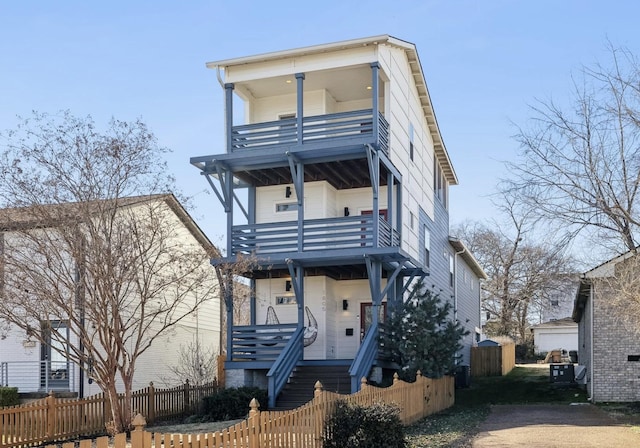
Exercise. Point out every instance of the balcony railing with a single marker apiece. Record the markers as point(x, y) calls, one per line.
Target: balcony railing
point(329, 130)
point(259, 342)
point(39, 376)
point(316, 234)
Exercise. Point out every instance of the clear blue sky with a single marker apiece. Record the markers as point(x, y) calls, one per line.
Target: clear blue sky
point(484, 61)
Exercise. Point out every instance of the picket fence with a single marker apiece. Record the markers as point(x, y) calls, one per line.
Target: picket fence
point(52, 419)
point(299, 428)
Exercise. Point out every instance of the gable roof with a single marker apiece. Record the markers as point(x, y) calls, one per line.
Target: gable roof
point(51, 215)
point(468, 257)
point(416, 71)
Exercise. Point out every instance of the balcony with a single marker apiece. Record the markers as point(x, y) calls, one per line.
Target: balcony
point(39, 376)
point(321, 131)
point(349, 232)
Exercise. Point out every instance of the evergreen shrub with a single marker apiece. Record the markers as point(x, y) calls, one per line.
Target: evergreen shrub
point(356, 426)
point(233, 403)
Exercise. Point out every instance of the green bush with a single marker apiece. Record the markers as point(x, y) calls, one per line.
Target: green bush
point(9, 396)
point(232, 403)
point(355, 426)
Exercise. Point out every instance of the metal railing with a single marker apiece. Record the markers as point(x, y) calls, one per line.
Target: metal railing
point(329, 128)
point(317, 234)
point(39, 376)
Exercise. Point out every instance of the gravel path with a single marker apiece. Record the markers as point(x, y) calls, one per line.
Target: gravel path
point(550, 426)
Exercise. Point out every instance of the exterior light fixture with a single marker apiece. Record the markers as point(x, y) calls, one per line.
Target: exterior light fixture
point(345, 304)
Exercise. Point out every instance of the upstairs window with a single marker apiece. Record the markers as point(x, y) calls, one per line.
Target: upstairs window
point(286, 207)
point(439, 183)
point(411, 141)
point(427, 246)
point(451, 270)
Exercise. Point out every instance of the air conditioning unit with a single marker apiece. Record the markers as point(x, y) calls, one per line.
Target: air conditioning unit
point(580, 373)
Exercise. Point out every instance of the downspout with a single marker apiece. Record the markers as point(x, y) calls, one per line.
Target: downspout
point(591, 361)
point(455, 287)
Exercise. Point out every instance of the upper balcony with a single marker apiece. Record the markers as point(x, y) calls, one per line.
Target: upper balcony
point(336, 130)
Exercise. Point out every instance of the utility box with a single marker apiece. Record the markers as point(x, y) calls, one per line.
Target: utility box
point(561, 373)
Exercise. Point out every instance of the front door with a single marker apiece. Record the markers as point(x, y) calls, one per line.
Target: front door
point(366, 314)
point(54, 365)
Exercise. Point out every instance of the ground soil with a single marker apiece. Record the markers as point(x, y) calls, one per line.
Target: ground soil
point(551, 426)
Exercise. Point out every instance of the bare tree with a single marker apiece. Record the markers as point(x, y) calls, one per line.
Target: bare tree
point(521, 274)
point(580, 165)
point(195, 363)
point(82, 247)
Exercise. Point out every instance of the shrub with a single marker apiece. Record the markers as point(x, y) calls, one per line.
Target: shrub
point(232, 403)
point(355, 426)
point(9, 396)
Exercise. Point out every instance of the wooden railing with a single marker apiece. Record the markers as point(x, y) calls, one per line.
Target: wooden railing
point(52, 419)
point(301, 427)
point(330, 130)
point(364, 358)
point(281, 369)
point(259, 342)
point(317, 234)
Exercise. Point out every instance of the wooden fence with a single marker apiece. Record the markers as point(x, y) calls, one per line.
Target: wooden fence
point(494, 360)
point(52, 419)
point(298, 428)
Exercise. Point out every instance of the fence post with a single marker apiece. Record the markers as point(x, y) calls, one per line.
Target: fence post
point(254, 424)
point(186, 406)
point(152, 403)
point(137, 435)
point(51, 414)
point(317, 389)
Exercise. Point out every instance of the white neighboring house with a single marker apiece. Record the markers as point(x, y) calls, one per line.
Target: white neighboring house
point(36, 368)
point(556, 334)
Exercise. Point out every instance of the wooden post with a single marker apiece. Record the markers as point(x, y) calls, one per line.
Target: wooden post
point(137, 435)
point(152, 403)
point(254, 424)
point(317, 389)
point(396, 378)
point(186, 406)
point(51, 415)
point(220, 367)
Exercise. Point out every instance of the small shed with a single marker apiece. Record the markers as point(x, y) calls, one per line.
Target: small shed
point(493, 357)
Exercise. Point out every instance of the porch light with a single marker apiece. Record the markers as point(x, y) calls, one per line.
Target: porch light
point(287, 285)
point(345, 304)
point(369, 87)
point(346, 211)
point(287, 192)
point(288, 81)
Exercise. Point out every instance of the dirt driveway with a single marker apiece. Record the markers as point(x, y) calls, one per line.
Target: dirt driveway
point(550, 426)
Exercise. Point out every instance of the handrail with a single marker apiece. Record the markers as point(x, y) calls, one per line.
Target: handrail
point(364, 358)
point(284, 365)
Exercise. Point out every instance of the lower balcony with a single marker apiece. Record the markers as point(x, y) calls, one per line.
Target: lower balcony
point(350, 232)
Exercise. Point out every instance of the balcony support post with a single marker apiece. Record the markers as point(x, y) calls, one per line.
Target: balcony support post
point(297, 281)
point(390, 206)
point(374, 272)
point(299, 107)
point(374, 172)
point(228, 114)
point(297, 174)
point(375, 80)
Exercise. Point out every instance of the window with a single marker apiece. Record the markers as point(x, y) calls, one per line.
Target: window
point(439, 183)
point(427, 245)
point(286, 300)
point(411, 220)
point(451, 270)
point(411, 140)
point(554, 302)
point(286, 207)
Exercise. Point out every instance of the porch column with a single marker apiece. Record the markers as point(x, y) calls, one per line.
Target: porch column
point(228, 300)
point(375, 67)
point(228, 114)
point(228, 194)
point(252, 301)
point(300, 111)
point(390, 207)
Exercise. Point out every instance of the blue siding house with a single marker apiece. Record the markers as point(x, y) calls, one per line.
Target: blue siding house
point(335, 187)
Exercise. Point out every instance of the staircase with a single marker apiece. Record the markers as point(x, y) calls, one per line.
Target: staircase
point(299, 389)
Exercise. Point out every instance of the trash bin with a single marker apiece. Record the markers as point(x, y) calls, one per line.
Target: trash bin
point(463, 376)
point(573, 355)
